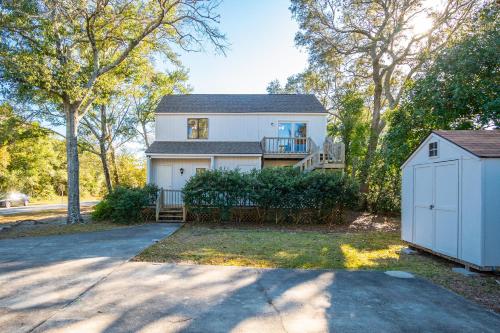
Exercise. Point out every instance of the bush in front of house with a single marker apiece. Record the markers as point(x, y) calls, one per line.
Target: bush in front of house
point(126, 205)
point(278, 194)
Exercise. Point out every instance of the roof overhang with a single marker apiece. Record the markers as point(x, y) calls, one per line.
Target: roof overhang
point(195, 156)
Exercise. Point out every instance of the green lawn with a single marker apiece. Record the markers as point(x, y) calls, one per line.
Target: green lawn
point(50, 229)
point(309, 250)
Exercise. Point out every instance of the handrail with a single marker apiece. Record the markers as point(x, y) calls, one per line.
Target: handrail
point(285, 145)
point(332, 152)
point(173, 199)
point(159, 202)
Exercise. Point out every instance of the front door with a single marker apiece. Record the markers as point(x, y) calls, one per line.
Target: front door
point(436, 207)
point(164, 176)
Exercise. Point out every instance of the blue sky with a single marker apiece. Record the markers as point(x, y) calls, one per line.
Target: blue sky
point(262, 49)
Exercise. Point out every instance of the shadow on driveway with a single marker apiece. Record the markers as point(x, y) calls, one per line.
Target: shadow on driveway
point(40, 275)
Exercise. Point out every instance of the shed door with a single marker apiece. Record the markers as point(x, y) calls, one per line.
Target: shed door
point(424, 221)
point(446, 207)
point(436, 207)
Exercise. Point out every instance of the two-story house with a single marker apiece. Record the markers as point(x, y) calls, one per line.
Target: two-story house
point(194, 133)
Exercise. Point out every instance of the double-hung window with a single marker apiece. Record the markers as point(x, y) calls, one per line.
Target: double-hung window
point(197, 128)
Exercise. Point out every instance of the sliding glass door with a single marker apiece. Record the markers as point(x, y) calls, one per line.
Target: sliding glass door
point(292, 137)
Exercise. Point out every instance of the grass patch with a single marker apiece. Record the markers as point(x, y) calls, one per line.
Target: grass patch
point(315, 250)
point(60, 229)
point(40, 215)
point(60, 200)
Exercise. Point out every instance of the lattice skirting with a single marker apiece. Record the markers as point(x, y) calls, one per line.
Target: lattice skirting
point(257, 215)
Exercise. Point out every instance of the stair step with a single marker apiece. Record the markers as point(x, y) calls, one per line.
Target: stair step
point(170, 221)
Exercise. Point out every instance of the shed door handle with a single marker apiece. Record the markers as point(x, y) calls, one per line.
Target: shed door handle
point(431, 207)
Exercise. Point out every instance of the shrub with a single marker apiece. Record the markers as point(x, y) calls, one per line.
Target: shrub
point(125, 205)
point(283, 194)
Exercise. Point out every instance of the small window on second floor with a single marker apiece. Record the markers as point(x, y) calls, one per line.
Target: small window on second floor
point(197, 128)
point(433, 149)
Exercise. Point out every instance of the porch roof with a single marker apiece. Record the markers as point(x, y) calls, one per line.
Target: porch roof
point(205, 147)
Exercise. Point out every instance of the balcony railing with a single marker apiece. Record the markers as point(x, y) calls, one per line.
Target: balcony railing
point(287, 146)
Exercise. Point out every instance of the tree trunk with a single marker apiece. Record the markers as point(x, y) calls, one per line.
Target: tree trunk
point(145, 134)
point(115, 166)
point(375, 129)
point(105, 167)
point(103, 152)
point(73, 164)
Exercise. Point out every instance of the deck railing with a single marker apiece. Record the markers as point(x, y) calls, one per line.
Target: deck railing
point(172, 199)
point(333, 152)
point(280, 145)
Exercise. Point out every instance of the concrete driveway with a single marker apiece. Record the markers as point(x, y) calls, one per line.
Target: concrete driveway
point(40, 276)
point(67, 284)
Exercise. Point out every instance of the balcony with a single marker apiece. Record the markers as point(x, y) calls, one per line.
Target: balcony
point(293, 147)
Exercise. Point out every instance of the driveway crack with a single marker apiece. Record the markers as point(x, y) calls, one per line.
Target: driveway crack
point(79, 296)
point(269, 300)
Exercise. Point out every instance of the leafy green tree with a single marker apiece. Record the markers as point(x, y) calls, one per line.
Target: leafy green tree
point(61, 53)
point(146, 93)
point(351, 125)
point(376, 43)
point(459, 90)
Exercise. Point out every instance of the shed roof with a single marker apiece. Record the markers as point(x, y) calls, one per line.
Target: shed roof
point(240, 103)
point(204, 147)
point(484, 143)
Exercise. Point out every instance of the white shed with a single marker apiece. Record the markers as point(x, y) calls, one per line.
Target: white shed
point(451, 197)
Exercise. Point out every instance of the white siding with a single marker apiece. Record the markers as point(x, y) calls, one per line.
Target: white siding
point(491, 211)
point(189, 166)
point(471, 226)
point(447, 151)
point(407, 205)
point(237, 127)
point(242, 163)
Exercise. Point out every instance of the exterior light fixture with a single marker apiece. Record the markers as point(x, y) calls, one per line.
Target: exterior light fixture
point(181, 170)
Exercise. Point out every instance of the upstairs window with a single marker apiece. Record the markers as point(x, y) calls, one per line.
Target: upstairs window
point(433, 149)
point(197, 128)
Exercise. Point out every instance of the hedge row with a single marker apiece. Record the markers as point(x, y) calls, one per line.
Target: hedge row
point(287, 192)
point(127, 205)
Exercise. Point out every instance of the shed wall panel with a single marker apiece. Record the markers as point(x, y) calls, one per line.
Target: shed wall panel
point(491, 211)
point(470, 226)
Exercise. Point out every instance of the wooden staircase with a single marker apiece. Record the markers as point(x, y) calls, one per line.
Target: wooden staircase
point(170, 206)
point(332, 156)
point(171, 215)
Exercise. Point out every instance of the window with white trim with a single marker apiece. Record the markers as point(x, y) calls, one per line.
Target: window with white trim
point(433, 149)
point(197, 128)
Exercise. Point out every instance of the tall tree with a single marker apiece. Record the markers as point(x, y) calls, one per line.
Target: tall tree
point(145, 94)
point(381, 42)
point(105, 128)
point(59, 52)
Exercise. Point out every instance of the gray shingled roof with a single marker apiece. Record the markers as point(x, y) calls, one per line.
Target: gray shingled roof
point(204, 147)
point(479, 143)
point(244, 103)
